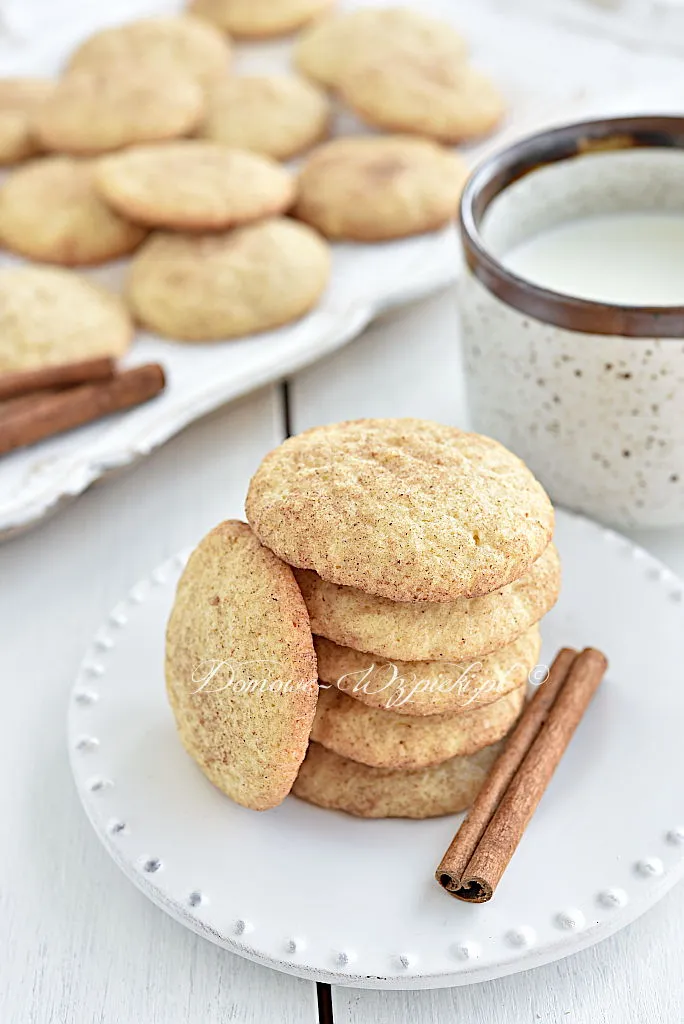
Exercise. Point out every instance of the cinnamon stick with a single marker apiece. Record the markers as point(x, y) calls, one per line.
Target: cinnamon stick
point(25, 401)
point(23, 382)
point(482, 848)
point(54, 413)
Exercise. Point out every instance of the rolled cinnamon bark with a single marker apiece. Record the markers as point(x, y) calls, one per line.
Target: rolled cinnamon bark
point(24, 382)
point(482, 848)
point(54, 413)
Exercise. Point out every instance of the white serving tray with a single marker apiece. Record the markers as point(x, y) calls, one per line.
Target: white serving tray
point(323, 895)
point(542, 70)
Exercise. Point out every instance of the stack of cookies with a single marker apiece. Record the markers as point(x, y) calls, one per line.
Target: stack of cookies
point(423, 557)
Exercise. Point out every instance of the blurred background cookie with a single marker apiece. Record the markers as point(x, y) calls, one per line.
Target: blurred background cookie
point(208, 287)
point(93, 112)
point(423, 95)
point(188, 147)
point(187, 44)
point(50, 316)
point(279, 115)
point(372, 188)
point(19, 98)
point(324, 50)
point(50, 212)
point(259, 18)
point(194, 185)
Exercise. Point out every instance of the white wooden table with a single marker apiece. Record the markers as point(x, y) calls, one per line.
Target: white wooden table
point(78, 944)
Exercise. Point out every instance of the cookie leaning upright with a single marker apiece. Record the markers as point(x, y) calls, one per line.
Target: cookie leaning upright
point(240, 667)
point(401, 508)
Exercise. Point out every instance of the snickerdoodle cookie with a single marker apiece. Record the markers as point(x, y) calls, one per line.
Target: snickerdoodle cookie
point(259, 18)
point(382, 739)
point(418, 688)
point(188, 44)
point(50, 212)
point(422, 95)
point(92, 112)
point(432, 631)
point(50, 316)
point(370, 188)
point(335, 782)
point(193, 185)
point(208, 287)
point(324, 50)
point(240, 667)
point(19, 98)
point(279, 115)
point(404, 509)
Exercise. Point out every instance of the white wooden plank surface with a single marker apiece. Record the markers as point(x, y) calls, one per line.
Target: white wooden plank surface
point(408, 364)
point(78, 943)
point(633, 978)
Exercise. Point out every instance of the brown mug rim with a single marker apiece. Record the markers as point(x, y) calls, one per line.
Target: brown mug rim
point(494, 175)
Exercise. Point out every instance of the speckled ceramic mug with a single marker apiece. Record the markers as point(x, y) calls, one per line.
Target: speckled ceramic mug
point(589, 394)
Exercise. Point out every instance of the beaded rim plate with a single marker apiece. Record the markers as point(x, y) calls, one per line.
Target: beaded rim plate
point(323, 895)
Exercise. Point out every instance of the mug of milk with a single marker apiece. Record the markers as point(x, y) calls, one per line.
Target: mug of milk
point(572, 310)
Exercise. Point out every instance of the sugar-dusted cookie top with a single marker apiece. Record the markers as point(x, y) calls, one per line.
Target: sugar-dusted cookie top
point(258, 18)
point(404, 509)
point(51, 212)
point(382, 739)
point(427, 688)
point(279, 115)
point(428, 630)
point(422, 95)
point(209, 287)
point(371, 188)
point(50, 316)
point(187, 44)
point(329, 780)
point(325, 49)
point(96, 111)
point(193, 185)
point(19, 98)
point(240, 667)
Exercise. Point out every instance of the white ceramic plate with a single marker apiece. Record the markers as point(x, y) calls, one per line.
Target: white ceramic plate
point(542, 71)
point(326, 896)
